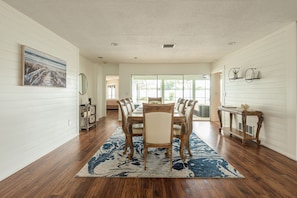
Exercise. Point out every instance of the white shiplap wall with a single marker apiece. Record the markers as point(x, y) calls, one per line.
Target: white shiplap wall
point(89, 69)
point(33, 120)
point(274, 94)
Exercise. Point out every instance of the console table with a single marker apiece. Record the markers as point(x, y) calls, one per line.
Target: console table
point(244, 113)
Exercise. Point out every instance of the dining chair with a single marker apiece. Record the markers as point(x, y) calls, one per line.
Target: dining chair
point(183, 132)
point(136, 129)
point(129, 105)
point(154, 100)
point(182, 105)
point(158, 128)
point(177, 103)
point(132, 104)
point(191, 102)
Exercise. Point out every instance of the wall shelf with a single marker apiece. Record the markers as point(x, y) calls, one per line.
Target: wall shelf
point(234, 73)
point(251, 74)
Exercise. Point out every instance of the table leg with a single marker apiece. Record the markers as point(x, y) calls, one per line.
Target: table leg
point(259, 125)
point(243, 128)
point(220, 118)
point(230, 118)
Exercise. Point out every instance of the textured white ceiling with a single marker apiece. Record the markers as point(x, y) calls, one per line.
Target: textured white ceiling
point(200, 29)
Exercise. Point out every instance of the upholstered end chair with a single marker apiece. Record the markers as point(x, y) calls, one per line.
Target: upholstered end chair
point(158, 128)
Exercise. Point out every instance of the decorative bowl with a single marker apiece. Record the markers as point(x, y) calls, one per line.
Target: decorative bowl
point(245, 106)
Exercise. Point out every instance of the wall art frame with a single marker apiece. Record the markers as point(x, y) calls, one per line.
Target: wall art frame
point(41, 69)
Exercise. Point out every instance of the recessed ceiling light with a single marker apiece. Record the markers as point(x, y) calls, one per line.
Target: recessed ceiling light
point(114, 44)
point(168, 46)
point(232, 43)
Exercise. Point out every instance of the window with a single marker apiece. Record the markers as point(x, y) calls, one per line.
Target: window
point(171, 87)
point(111, 91)
point(202, 91)
point(143, 87)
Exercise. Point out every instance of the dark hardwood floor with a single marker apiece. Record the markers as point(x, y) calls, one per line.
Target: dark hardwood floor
point(267, 173)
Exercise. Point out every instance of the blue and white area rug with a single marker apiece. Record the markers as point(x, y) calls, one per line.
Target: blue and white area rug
point(109, 161)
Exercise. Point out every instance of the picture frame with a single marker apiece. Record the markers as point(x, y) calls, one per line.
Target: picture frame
point(41, 69)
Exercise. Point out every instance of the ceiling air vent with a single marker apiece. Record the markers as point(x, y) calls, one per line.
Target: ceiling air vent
point(168, 46)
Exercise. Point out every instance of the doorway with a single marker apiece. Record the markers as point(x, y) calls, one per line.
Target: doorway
point(216, 95)
point(112, 92)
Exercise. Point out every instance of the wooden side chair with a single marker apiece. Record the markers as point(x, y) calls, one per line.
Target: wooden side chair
point(182, 105)
point(191, 102)
point(129, 105)
point(158, 128)
point(137, 129)
point(154, 100)
point(184, 132)
point(132, 104)
point(177, 103)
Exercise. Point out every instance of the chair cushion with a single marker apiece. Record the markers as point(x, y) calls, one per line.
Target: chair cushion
point(137, 126)
point(177, 127)
point(177, 130)
point(137, 129)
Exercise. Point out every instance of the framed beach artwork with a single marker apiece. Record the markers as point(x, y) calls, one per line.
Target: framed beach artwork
point(41, 69)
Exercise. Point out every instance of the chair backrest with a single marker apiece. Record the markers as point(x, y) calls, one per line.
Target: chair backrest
point(129, 105)
point(158, 123)
point(154, 100)
point(124, 113)
point(132, 104)
point(182, 105)
point(177, 102)
point(191, 102)
point(189, 115)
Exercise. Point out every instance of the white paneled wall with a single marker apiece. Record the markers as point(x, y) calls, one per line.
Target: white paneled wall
point(33, 120)
point(89, 69)
point(274, 94)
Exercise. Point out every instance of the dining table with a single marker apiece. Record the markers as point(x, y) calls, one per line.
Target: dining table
point(136, 117)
